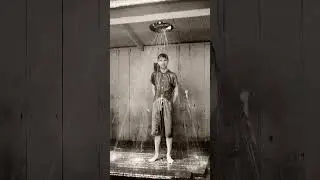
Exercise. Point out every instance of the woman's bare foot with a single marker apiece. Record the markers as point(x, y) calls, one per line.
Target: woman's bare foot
point(169, 159)
point(154, 158)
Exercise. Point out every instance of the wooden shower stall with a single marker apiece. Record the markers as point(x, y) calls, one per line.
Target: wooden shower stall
point(131, 94)
point(133, 51)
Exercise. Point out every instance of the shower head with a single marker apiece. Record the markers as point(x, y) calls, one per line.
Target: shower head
point(160, 27)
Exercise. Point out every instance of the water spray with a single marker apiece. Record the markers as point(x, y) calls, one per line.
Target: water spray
point(186, 91)
point(190, 116)
point(113, 157)
point(161, 27)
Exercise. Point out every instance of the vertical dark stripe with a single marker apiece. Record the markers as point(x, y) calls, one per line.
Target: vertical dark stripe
point(221, 49)
point(189, 51)
point(99, 14)
point(301, 63)
point(129, 112)
point(118, 84)
point(258, 116)
point(178, 60)
point(26, 87)
point(223, 31)
point(62, 97)
point(260, 30)
point(301, 69)
point(223, 60)
point(26, 34)
point(221, 16)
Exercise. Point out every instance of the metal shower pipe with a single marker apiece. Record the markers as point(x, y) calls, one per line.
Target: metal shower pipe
point(127, 3)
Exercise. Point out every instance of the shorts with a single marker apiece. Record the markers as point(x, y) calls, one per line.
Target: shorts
point(162, 118)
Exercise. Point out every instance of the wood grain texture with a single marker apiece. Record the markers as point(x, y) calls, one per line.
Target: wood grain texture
point(137, 108)
point(184, 64)
point(310, 61)
point(206, 89)
point(282, 115)
point(242, 61)
point(263, 55)
point(44, 90)
point(148, 57)
point(190, 62)
point(197, 93)
point(85, 89)
point(114, 92)
point(124, 90)
point(31, 93)
point(13, 79)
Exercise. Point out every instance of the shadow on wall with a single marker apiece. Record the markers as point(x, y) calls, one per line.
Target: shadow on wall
point(250, 68)
point(276, 97)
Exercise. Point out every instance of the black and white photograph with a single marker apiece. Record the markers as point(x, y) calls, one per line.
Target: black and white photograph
point(160, 89)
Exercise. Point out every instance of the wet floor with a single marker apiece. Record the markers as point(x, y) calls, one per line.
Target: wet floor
point(133, 164)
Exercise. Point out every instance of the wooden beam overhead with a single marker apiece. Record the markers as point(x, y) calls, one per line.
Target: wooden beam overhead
point(160, 16)
point(132, 35)
point(126, 3)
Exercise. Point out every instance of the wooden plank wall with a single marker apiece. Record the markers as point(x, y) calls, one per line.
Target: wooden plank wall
point(44, 92)
point(310, 54)
point(269, 47)
point(31, 90)
point(131, 94)
point(85, 88)
point(37, 140)
point(12, 92)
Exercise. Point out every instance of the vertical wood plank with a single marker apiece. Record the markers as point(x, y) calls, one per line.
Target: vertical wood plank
point(242, 61)
point(13, 104)
point(185, 65)
point(173, 62)
point(148, 60)
point(137, 101)
point(207, 96)
point(245, 23)
point(45, 123)
point(178, 122)
point(114, 96)
point(85, 89)
point(310, 68)
point(262, 38)
point(281, 43)
point(242, 35)
point(149, 57)
point(197, 92)
point(124, 94)
point(173, 66)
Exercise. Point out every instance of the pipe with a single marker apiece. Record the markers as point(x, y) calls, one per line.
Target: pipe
point(127, 3)
point(161, 16)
